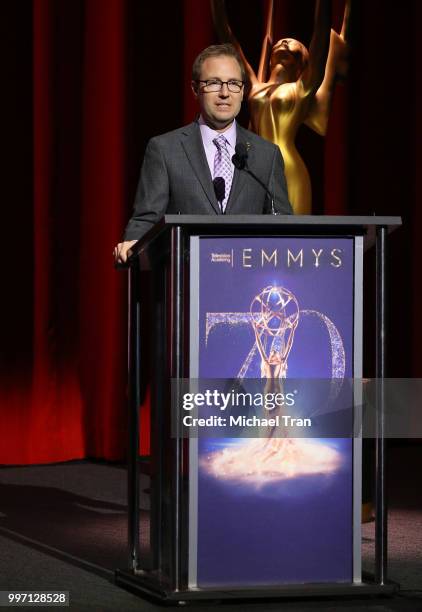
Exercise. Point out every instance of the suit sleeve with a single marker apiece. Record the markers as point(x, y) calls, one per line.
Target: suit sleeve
point(152, 194)
point(279, 186)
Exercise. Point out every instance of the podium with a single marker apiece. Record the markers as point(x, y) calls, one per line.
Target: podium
point(252, 298)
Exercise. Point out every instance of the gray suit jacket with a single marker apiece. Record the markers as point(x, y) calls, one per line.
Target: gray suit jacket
point(175, 178)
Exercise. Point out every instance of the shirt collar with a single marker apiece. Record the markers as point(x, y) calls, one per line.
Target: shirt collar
point(209, 134)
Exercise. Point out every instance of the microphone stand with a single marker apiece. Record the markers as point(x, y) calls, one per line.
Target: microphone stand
point(240, 161)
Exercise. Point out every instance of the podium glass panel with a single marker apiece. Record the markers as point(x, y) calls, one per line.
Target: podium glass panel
point(274, 511)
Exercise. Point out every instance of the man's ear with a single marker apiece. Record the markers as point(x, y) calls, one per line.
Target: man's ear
point(194, 87)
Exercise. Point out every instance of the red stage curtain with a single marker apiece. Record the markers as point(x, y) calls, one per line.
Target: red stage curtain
point(96, 99)
point(72, 402)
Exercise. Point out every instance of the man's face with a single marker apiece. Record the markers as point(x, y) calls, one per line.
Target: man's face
point(219, 108)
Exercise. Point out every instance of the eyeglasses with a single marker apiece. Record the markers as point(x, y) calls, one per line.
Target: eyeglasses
point(212, 85)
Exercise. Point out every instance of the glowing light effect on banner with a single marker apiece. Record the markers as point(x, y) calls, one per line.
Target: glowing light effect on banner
point(260, 461)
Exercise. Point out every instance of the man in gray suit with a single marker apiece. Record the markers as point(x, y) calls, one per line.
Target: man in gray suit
point(190, 170)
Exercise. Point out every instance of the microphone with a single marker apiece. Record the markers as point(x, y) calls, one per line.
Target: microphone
point(240, 161)
point(220, 190)
point(240, 158)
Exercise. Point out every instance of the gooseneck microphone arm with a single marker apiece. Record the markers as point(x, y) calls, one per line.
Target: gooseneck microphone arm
point(240, 161)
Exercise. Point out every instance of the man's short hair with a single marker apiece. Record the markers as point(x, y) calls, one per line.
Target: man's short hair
point(217, 51)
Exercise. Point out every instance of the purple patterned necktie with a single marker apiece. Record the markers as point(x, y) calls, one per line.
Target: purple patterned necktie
point(223, 167)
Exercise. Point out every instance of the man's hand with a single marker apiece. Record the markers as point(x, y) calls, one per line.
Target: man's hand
point(121, 251)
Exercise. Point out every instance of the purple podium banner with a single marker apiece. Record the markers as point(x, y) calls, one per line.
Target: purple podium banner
point(274, 510)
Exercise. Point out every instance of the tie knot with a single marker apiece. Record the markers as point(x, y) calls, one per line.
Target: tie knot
point(220, 142)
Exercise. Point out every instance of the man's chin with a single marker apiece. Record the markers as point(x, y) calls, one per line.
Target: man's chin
point(222, 122)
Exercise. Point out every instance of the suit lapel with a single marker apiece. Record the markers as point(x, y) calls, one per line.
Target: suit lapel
point(239, 176)
point(194, 149)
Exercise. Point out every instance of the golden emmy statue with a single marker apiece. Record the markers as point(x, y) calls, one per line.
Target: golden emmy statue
point(274, 318)
point(298, 90)
point(274, 315)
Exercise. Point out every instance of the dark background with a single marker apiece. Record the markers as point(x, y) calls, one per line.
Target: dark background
point(85, 85)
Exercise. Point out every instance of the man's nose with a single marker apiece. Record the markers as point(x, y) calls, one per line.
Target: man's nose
point(224, 91)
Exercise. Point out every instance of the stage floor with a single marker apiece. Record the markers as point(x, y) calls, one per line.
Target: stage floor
point(63, 527)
